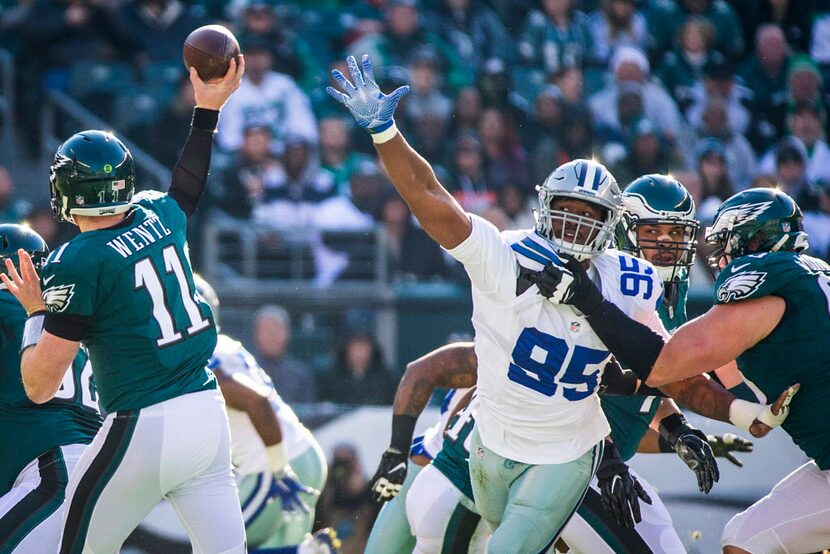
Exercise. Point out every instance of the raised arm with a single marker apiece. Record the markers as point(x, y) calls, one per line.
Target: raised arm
point(435, 208)
point(190, 174)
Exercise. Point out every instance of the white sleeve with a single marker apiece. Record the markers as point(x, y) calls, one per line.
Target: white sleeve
point(488, 259)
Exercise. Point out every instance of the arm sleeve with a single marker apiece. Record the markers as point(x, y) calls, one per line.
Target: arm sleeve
point(191, 171)
point(67, 326)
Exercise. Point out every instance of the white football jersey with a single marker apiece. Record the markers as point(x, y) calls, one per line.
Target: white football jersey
point(430, 443)
point(247, 449)
point(539, 364)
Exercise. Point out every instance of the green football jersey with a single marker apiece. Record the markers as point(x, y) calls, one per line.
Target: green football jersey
point(453, 459)
point(630, 416)
point(27, 430)
point(796, 350)
point(149, 334)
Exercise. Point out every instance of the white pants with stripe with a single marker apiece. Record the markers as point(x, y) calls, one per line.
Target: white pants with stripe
point(32, 511)
point(178, 449)
point(592, 530)
point(793, 518)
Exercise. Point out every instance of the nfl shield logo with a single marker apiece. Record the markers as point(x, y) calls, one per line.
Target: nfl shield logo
point(575, 326)
point(785, 226)
point(119, 185)
point(79, 200)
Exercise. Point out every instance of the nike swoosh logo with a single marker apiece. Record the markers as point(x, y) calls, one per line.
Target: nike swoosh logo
point(736, 268)
point(401, 466)
point(47, 279)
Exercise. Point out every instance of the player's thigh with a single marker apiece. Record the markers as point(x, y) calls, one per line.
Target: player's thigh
point(793, 517)
point(489, 487)
point(115, 484)
point(196, 472)
point(391, 533)
point(431, 505)
point(541, 501)
point(593, 530)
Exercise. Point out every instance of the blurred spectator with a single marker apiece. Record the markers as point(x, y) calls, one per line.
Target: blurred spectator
point(666, 16)
point(647, 153)
point(765, 76)
point(791, 171)
point(555, 38)
point(570, 81)
point(820, 41)
point(466, 112)
point(617, 22)
point(498, 90)
point(158, 28)
point(427, 108)
point(495, 215)
point(505, 157)
point(474, 31)
point(336, 154)
point(345, 503)
point(359, 210)
point(12, 210)
point(253, 172)
point(266, 97)
point(719, 82)
point(714, 123)
point(165, 137)
point(817, 224)
point(682, 67)
point(805, 122)
point(544, 134)
point(293, 379)
point(577, 140)
point(804, 81)
point(468, 182)
point(405, 33)
point(513, 200)
point(793, 16)
point(359, 375)
point(714, 183)
point(292, 55)
point(412, 254)
point(629, 65)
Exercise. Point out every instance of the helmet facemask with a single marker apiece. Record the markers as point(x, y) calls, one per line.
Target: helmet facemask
point(674, 253)
point(557, 225)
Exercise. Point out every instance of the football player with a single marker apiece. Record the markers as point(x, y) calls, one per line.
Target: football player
point(540, 430)
point(40, 443)
point(124, 287)
point(771, 313)
point(279, 466)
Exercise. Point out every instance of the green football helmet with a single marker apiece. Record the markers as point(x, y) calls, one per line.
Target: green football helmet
point(754, 221)
point(92, 174)
point(206, 291)
point(14, 237)
point(659, 200)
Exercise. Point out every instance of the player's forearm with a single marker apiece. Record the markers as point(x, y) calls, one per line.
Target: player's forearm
point(702, 395)
point(435, 208)
point(190, 174)
point(42, 377)
point(242, 394)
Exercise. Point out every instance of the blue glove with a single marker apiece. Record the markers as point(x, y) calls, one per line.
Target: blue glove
point(288, 489)
point(372, 109)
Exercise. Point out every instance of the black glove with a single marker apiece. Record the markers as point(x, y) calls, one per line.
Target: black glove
point(724, 445)
point(389, 477)
point(621, 492)
point(693, 448)
point(568, 285)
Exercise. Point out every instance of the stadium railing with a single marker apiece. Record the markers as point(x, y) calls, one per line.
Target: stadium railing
point(7, 109)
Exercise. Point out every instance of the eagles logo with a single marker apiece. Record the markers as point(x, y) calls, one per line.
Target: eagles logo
point(738, 215)
point(57, 298)
point(740, 286)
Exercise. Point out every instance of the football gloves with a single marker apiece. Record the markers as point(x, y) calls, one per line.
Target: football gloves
point(692, 446)
point(569, 285)
point(287, 488)
point(621, 492)
point(372, 109)
point(389, 477)
point(724, 445)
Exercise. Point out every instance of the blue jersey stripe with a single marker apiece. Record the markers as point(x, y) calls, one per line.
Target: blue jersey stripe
point(529, 254)
point(530, 243)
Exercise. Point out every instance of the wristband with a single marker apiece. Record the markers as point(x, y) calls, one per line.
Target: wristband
point(384, 135)
point(403, 427)
point(664, 446)
point(205, 119)
point(670, 426)
point(276, 459)
point(743, 413)
point(33, 329)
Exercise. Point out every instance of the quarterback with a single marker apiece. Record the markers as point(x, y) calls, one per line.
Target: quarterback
point(41, 443)
point(124, 288)
point(540, 429)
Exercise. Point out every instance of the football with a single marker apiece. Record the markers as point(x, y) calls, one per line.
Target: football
point(209, 49)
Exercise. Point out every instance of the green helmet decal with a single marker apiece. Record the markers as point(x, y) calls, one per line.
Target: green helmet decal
point(13, 237)
point(754, 221)
point(659, 200)
point(92, 174)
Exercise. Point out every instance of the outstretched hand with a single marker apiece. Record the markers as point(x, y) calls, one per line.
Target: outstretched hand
point(724, 445)
point(25, 284)
point(372, 109)
point(213, 94)
point(774, 415)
